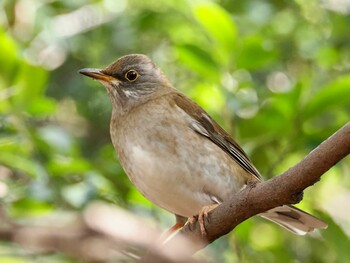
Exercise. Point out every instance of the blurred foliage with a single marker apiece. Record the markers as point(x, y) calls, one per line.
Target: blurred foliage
point(275, 74)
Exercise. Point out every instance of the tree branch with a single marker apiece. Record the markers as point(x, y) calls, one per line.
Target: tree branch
point(280, 190)
point(101, 231)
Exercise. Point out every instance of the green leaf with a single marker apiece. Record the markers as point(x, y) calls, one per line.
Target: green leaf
point(14, 259)
point(327, 57)
point(31, 84)
point(8, 58)
point(208, 96)
point(29, 207)
point(22, 163)
point(337, 240)
point(42, 107)
point(197, 59)
point(218, 24)
point(256, 52)
point(334, 95)
point(62, 165)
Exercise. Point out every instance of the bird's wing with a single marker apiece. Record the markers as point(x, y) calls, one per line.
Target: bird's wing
point(206, 126)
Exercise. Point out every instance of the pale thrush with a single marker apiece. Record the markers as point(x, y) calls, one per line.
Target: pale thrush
point(175, 154)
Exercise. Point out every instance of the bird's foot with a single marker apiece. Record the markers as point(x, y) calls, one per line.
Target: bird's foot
point(203, 214)
point(252, 183)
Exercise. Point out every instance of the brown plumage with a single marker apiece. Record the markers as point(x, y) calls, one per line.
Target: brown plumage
point(173, 151)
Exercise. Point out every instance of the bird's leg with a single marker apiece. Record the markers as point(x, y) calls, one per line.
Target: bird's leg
point(203, 214)
point(164, 236)
point(180, 222)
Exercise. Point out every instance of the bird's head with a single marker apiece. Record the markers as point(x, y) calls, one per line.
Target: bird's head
point(130, 81)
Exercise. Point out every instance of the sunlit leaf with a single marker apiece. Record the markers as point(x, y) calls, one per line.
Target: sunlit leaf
point(30, 207)
point(334, 95)
point(42, 107)
point(8, 58)
point(338, 241)
point(30, 84)
point(197, 59)
point(61, 165)
point(257, 52)
point(22, 163)
point(327, 57)
point(14, 259)
point(205, 95)
point(218, 23)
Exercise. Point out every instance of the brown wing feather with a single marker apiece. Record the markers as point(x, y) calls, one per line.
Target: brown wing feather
point(289, 217)
point(207, 127)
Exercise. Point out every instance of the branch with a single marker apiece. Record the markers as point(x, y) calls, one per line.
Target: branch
point(280, 190)
point(102, 231)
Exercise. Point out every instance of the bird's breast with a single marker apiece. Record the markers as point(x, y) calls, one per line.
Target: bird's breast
point(172, 165)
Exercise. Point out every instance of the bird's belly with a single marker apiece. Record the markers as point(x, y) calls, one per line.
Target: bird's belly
point(184, 179)
point(171, 164)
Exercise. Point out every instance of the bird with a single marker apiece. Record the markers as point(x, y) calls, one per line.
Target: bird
point(173, 152)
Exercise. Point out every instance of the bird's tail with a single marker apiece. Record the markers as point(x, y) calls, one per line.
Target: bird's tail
point(294, 219)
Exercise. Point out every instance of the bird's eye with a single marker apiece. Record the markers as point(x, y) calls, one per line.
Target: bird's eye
point(131, 75)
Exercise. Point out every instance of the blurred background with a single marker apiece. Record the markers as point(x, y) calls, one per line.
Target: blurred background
point(274, 74)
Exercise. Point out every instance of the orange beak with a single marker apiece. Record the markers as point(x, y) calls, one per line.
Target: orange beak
point(96, 74)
